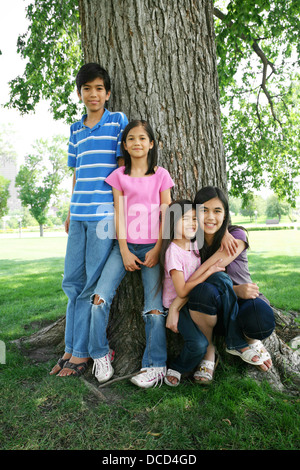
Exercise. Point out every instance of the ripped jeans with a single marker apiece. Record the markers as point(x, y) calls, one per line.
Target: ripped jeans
point(155, 354)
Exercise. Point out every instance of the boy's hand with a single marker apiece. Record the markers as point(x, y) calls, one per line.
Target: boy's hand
point(67, 223)
point(229, 244)
point(130, 261)
point(151, 258)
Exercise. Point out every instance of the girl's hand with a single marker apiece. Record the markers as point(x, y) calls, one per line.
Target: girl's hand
point(151, 258)
point(130, 261)
point(246, 291)
point(229, 244)
point(215, 268)
point(172, 319)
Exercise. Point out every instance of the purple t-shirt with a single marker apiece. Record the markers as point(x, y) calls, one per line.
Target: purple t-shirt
point(238, 269)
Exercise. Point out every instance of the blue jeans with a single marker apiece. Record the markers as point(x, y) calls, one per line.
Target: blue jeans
point(236, 318)
point(85, 257)
point(216, 296)
point(195, 344)
point(155, 354)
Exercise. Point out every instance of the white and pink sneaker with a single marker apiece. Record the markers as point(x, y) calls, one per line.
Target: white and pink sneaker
point(103, 369)
point(149, 377)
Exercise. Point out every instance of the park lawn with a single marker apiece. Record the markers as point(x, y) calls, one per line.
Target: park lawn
point(40, 412)
point(274, 262)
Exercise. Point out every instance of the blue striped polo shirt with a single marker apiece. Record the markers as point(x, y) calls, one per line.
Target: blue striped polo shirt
point(93, 152)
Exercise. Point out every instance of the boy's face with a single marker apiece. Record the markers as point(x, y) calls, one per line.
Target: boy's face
point(94, 95)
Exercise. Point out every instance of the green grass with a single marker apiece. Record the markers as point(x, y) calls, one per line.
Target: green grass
point(274, 262)
point(40, 412)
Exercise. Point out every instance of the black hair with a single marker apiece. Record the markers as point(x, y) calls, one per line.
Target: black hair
point(174, 212)
point(88, 73)
point(206, 194)
point(152, 154)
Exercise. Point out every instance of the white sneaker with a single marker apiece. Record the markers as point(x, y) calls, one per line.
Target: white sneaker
point(103, 368)
point(111, 354)
point(149, 376)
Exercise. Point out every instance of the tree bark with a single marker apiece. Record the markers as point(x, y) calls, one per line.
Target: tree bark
point(162, 60)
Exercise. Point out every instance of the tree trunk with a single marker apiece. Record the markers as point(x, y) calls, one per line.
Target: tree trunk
point(162, 60)
point(41, 230)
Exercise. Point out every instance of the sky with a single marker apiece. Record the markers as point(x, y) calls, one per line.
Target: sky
point(30, 127)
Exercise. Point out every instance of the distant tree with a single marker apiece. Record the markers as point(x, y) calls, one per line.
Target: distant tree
point(4, 195)
point(277, 208)
point(39, 181)
point(7, 137)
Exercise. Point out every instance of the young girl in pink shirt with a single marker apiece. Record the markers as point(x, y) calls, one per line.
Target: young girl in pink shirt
point(141, 190)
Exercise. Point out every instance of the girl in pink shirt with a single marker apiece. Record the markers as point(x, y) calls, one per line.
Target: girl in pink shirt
point(141, 191)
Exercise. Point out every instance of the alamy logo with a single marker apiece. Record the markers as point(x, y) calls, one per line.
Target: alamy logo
point(143, 222)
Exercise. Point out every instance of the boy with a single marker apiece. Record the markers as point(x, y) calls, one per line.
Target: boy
point(94, 149)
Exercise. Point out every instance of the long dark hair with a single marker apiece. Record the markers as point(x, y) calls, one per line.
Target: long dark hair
point(206, 194)
point(152, 154)
point(174, 212)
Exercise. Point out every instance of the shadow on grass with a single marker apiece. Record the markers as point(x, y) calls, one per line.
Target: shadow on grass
point(30, 295)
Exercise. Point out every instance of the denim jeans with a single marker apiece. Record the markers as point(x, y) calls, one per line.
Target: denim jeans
point(256, 318)
point(237, 318)
point(195, 344)
point(114, 271)
point(214, 296)
point(85, 257)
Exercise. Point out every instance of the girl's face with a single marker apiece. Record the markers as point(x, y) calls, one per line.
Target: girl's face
point(138, 143)
point(211, 216)
point(186, 227)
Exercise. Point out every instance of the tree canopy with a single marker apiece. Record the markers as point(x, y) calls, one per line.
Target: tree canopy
point(257, 43)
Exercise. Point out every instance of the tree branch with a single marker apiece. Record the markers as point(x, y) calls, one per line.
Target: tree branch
point(260, 53)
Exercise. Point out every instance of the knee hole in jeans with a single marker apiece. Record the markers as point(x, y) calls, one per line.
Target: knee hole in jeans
point(97, 300)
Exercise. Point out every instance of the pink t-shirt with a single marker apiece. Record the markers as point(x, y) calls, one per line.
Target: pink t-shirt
point(141, 202)
point(181, 260)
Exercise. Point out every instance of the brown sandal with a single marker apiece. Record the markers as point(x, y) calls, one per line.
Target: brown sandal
point(60, 363)
point(79, 369)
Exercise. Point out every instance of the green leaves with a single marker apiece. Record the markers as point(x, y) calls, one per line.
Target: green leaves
point(258, 51)
point(53, 50)
point(259, 151)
